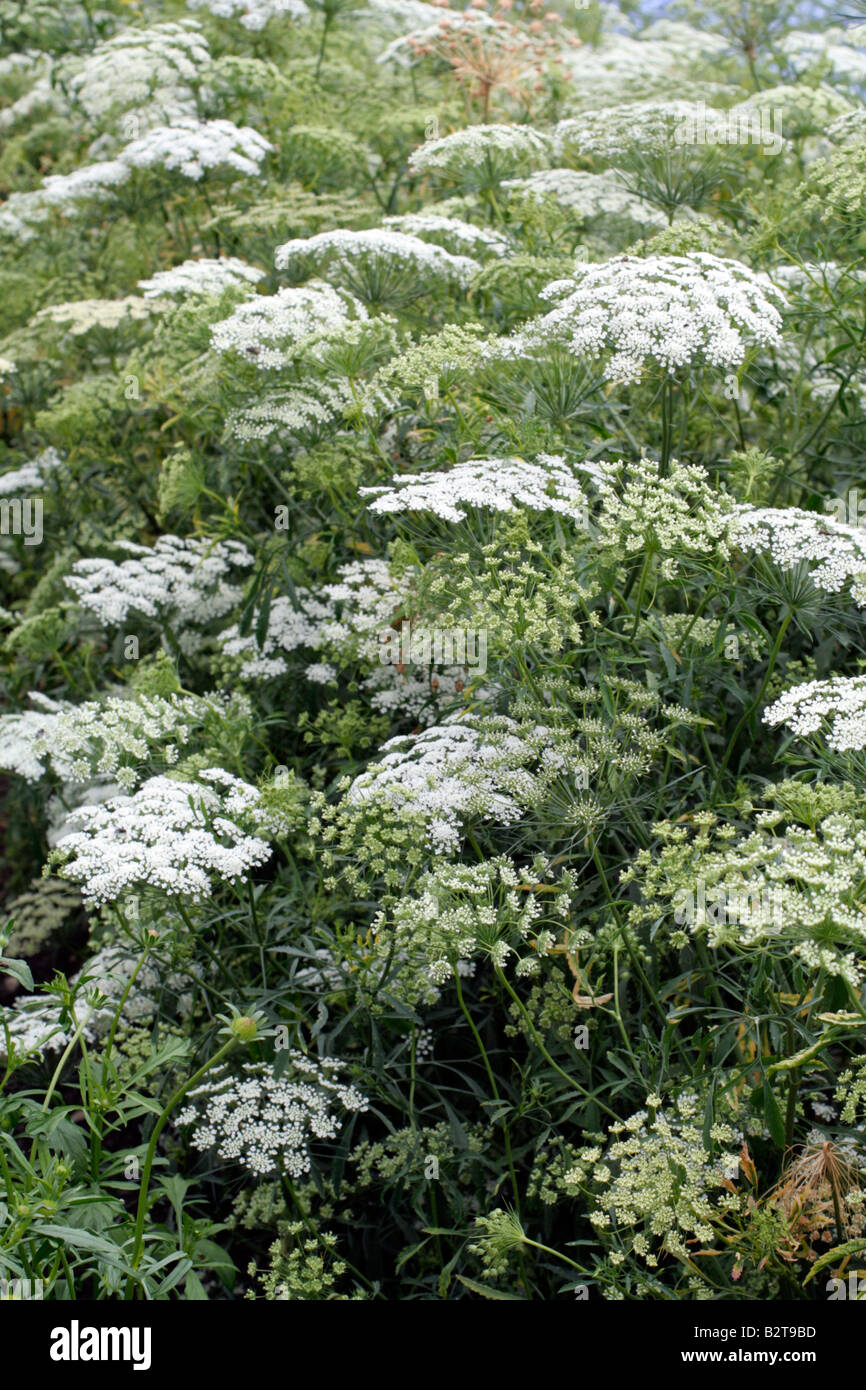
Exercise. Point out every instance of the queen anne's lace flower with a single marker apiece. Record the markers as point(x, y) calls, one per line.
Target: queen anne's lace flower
point(783, 885)
point(253, 14)
point(115, 737)
point(154, 69)
point(671, 311)
point(179, 581)
point(269, 1123)
point(38, 1024)
point(829, 48)
point(503, 149)
point(451, 232)
point(270, 329)
point(290, 412)
point(657, 1181)
point(835, 708)
point(189, 147)
point(32, 476)
point(346, 614)
point(172, 835)
point(650, 126)
point(502, 484)
point(833, 552)
point(345, 250)
point(589, 195)
point(195, 148)
point(23, 738)
point(81, 315)
point(203, 276)
point(466, 766)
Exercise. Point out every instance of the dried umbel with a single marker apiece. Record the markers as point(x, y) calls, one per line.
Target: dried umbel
point(819, 1195)
point(489, 57)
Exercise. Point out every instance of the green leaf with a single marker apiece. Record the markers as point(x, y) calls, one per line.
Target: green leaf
point(851, 1247)
point(19, 970)
point(194, 1289)
point(773, 1117)
point(486, 1292)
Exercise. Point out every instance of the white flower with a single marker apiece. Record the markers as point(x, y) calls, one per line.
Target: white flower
point(114, 737)
point(32, 476)
point(292, 411)
point(348, 614)
point(171, 835)
point(177, 580)
point(154, 69)
point(189, 147)
point(268, 1123)
point(833, 552)
point(203, 276)
point(21, 735)
point(839, 703)
point(502, 484)
point(352, 251)
point(589, 195)
point(671, 311)
point(468, 765)
point(262, 329)
point(253, 14)
point(451, 232)
point(840, 49)
point(81, 315)
point(37, 1023)
point(498, 149)
point(652, 127)
point(194, 148)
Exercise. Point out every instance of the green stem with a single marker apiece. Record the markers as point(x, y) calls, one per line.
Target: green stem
point(138, 1242)
point(750, 709)
point(506, 1135)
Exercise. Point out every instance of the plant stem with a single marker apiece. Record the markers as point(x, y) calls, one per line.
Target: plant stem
point(138, 1241)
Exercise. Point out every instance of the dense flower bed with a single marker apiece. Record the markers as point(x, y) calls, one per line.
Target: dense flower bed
point(433, 733)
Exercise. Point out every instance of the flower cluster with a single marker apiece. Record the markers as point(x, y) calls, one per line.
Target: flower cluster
point(202, 276)
point(831, 552)
point(269, 1122)
point(670, 312)
point(796, 891)
point(180, 580)
point(546, 485)
point(835, 707)
point(40, 1025)
point(658, 1185)
point(350, 254)
point(490, 151)
point(589, 195)
point(179, 837)
point(270, 329)
point(252, 14)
